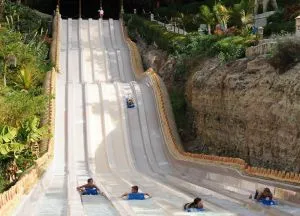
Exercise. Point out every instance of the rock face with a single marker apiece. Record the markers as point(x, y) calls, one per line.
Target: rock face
point(158, 60)
point(249, 111)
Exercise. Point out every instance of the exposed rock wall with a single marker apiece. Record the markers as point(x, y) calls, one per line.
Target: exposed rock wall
point(158, 60)
point(247, 110)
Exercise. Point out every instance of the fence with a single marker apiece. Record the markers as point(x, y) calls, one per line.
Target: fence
point(10, 198)
point(260, 49)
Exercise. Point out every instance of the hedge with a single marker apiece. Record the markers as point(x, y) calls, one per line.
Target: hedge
point(152, 32)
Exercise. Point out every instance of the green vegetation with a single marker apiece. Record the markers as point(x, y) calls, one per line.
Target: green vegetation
point(283, 21)
point(189, 46)
point(152, 32)
point(190, 16)
point(179, 107)
point(23, 66)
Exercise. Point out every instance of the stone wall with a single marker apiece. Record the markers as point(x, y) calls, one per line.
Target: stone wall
point(247, 110)
point(261, 49)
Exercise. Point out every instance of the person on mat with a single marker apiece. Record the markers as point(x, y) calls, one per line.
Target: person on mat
point(87, 188)
point(264, 194)
point(135, 191)
point(196, 204)
point(130, 102)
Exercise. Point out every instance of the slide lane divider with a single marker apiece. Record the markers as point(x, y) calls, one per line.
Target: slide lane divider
point(107, 66)
point(91, 48)
point(120, 65)
point(80, 50)
point(112, 33)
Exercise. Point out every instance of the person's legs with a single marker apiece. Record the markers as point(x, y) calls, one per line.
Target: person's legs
point(256, 194)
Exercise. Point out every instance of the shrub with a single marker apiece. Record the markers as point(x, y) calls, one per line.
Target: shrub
point(283, 20)
point(152, 32)
point(25, 18)
point(231, 48)
point(18, 106)
point(30, 57)
point(286, 54)
point(179, 107)
point(23, 59)
point(196, 44)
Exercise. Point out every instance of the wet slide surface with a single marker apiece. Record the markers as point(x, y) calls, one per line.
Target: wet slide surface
point(97, 136)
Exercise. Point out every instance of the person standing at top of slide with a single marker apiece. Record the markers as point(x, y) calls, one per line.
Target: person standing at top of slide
point(101, 13)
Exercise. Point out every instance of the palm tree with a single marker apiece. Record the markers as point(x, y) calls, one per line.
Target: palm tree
point(207, 16)
point(246, 18)
point(222, 14)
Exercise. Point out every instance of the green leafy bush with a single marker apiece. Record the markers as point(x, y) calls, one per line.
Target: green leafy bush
point(179, 107)
point(25, 19)
point(152, 32)
point(17, 107)
point(196, 44)
point(23, 66)
point(231, 48)
point(29, 58)
point(191, 45)
point(283, 21)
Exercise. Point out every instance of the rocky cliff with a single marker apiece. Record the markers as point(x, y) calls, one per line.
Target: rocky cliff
point(247, 110)
point(243, 109)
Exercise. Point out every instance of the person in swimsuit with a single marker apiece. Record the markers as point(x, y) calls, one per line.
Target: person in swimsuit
point(134, 190)
point(196, 204)
point(263, 194)
point(89, 186)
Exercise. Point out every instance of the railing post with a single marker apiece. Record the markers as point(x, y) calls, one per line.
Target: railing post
point(298, 26)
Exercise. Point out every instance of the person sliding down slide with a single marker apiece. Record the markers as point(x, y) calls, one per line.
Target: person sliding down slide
point(135, 195)
point(263, 194)
point(265, 197)
point(195, 206)
point(89, 189)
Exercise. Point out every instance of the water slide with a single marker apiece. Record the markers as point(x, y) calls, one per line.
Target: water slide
point(97, 136)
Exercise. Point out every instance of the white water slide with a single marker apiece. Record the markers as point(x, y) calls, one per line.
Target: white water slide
point(97, 136)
